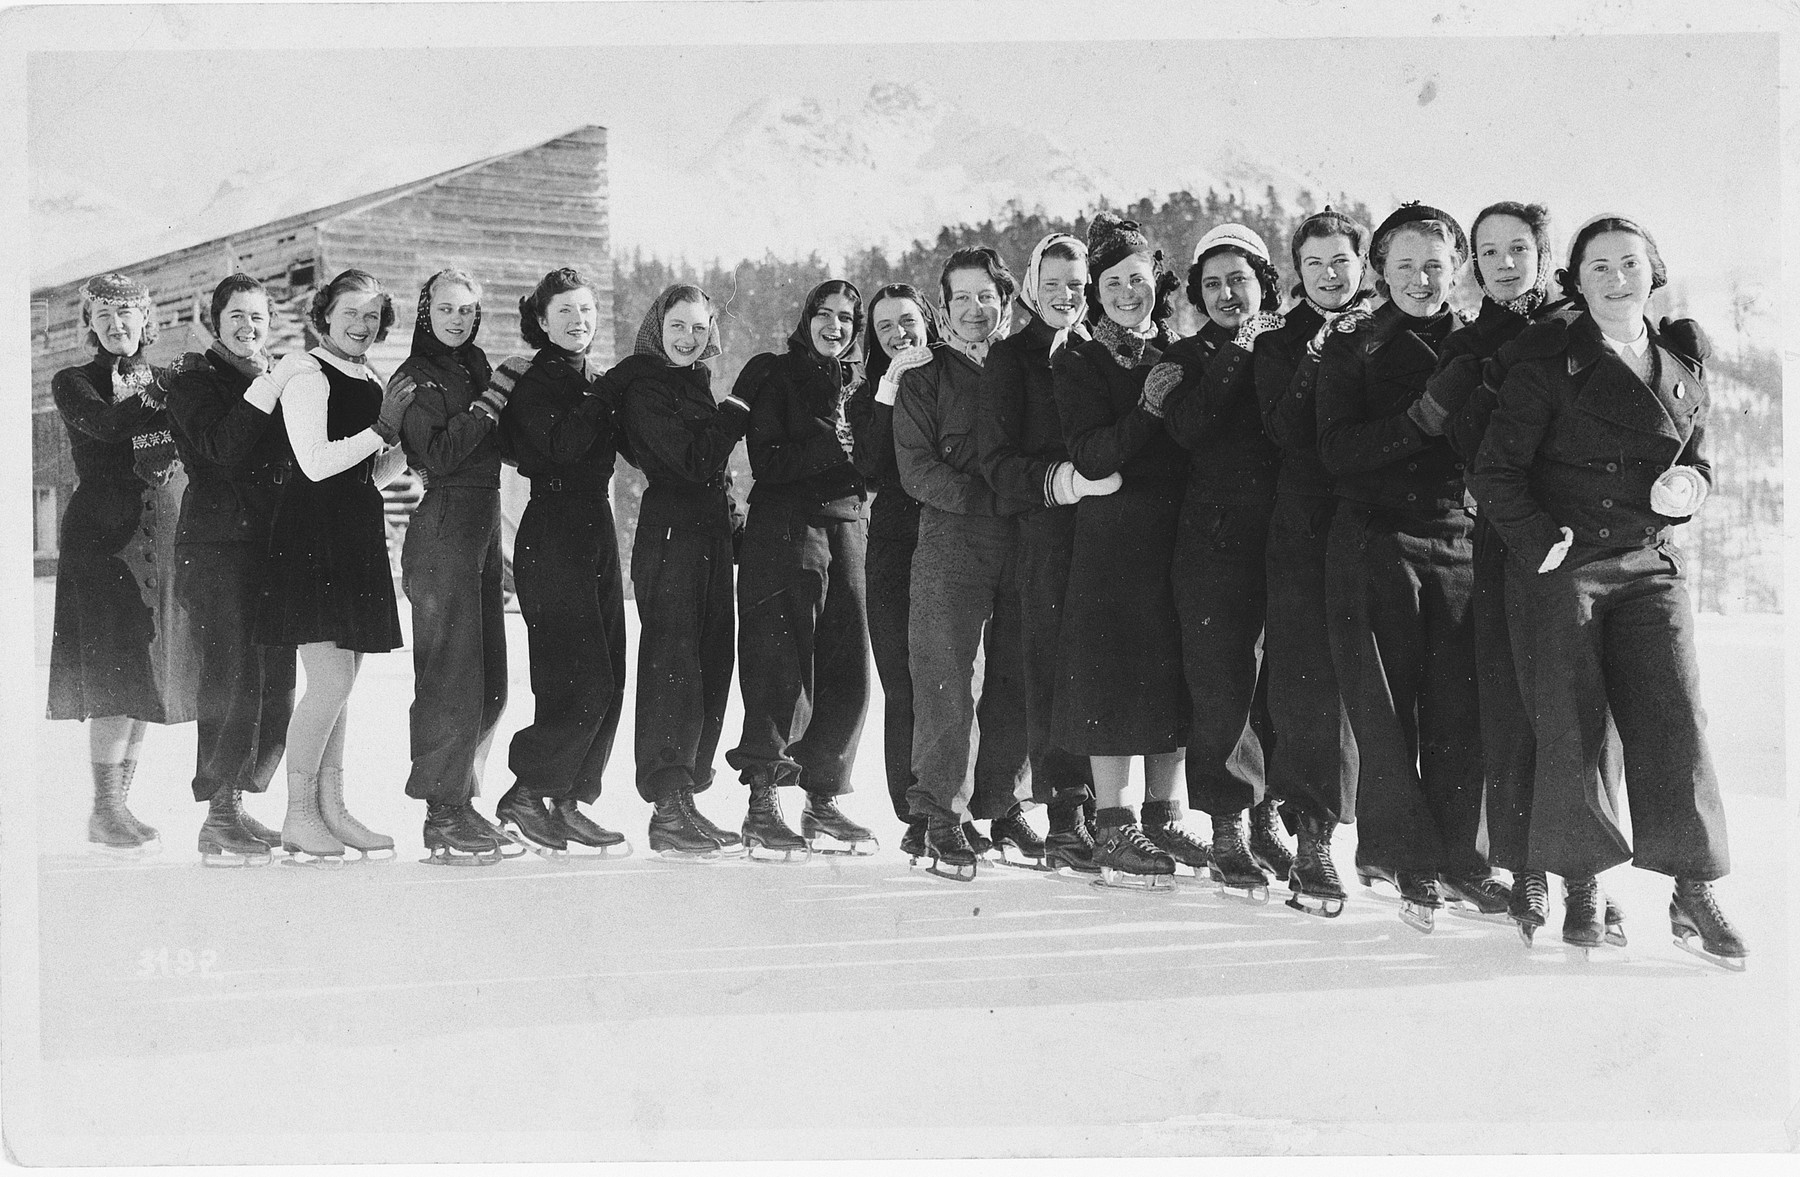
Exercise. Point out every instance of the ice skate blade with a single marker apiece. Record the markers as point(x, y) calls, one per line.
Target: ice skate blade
point(444, 856)
point(1527, 933)
point(380, 854)
point(586, 853)
point(299, 857)
point(1469, 911)
point(687, 857)
point(1118, 880)
point(1417, 917)
point(1014, 857)
point(768, 855)
point(219, 857)
point(1254, 893)
point(956, 874)
point(141, 850)
point(1328, 907)
point(1731, 964)
point(826, 844)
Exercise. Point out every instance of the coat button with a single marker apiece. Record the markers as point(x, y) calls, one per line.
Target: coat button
point(1606, 533)
point(1412, 467)
point(1411, 497)
point(1607, 503)
point(1612, 467)
point(1459, 465)
point(1649, 531)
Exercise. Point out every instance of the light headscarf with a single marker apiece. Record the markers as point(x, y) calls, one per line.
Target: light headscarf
point(1034, 268)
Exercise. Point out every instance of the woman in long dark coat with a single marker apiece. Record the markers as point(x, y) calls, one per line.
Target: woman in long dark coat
point(328, 587)
point(1123, 694)
point(120, 652)
point(803, 634)
point(1312, 767)
point(1595, 453)
point(1220, 568)
point(235, 449)
point(898, 321)
point(1400, 578)
point(1511, 242)
point(450, 567)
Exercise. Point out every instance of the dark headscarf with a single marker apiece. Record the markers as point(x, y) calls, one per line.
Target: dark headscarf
point(650, 331)
point(802, 336)
point(473, 360)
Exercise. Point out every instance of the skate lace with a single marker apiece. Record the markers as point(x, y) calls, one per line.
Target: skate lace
point(1701, 901)
point(1322, 863)
point(1134, 837)
point(1537, 891)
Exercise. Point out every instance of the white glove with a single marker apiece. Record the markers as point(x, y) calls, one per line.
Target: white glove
point(1678, 493)
point(1555, 556)
point(1067, 486)
point(1255, 325)
point(905, 360)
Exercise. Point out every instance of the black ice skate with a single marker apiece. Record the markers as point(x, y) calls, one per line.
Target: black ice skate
point(730, 845)
point(373, 847)
point(767, 837)
point(256, 829)
point(581, 830)
point(1313, 879)
point(1015, 842)
point(1069, 848)
point(677, 833)
point(1419, 899)
point(451, 839)
point(1530, 905)
point(912, 843)
point(978, 842)
point(947, 845)
point(1266, 846)
point(510, 847)
point(1477, 894)
point(1162, 825)
point(223, 839)
point(111, 827)
point(1583, 925)
point(828, 831)
point(1233, 867)
point(1129, 861)
point(1694, 915)
point(523, 817)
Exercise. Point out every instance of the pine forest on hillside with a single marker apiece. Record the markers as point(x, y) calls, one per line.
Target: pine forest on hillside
point(1733, 544)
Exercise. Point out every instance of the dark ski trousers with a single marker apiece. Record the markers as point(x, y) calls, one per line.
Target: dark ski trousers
point(803, 648)
point(1615, 628)
point(683, 586)
point(1221, 596)
point(891, 547)
point(965, 610)
point(1312, 767)
point(246, 690)
point(1403, 643)
point(450, 572)
point(1508, 746)
point(1046, 547)
point(566, 566)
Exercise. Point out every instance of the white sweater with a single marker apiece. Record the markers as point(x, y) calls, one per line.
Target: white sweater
point(305, 394)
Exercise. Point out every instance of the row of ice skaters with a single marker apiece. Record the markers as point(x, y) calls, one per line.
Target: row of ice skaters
point(1206, 552)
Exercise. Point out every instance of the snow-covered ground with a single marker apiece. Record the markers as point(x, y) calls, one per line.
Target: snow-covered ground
point(643, 1010)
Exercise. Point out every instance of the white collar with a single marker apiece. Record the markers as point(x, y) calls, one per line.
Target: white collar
point(357, 368)
point(1636, 347)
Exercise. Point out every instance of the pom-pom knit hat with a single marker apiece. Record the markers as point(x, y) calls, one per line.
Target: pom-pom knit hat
point(1410, 213)
point(1111, 240)
point(1234, 236)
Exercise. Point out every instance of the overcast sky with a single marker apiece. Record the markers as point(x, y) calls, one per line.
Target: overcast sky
point(1680, 130)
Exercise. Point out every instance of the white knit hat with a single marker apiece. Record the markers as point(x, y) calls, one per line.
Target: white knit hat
point(1235, 235)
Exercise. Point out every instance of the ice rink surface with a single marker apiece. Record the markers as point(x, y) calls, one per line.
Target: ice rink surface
point(638, 1009)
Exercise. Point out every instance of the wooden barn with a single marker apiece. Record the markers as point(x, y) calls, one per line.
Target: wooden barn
point(507, 219)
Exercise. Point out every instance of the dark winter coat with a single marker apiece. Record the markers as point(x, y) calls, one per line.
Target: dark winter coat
point(562, 424)
point(1018, 431)
point(1578, 440)
point(236, 455)
point(935, 438)
point(799, 439)
point(1369, 376)
point(1107, 431)
point(1214, 414)
point(447, 442)
point(1287, 393)
point(682, 441)
point(895, 514)
point(1458, 384)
